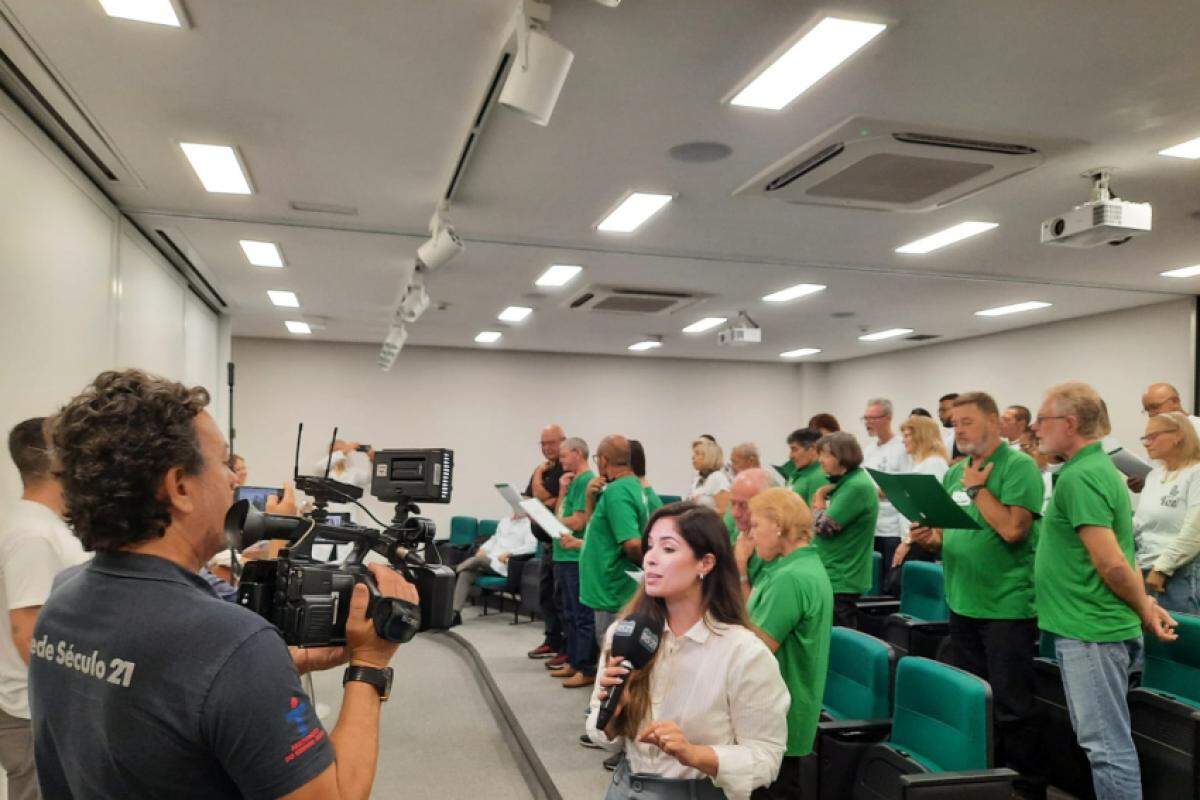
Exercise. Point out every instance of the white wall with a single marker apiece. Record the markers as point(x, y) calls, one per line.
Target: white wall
point(1118, 353)
point(489, 406)
point(82, 291)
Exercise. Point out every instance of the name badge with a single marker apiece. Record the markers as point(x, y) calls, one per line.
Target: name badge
point(961, 498)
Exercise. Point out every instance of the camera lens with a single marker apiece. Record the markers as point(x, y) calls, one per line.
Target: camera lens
point(1058, 227)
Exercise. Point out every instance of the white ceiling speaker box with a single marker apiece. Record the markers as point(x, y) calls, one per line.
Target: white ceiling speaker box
point(537, 77)
point(892, 166)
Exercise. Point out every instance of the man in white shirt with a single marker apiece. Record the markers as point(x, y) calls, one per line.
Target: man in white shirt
point(1014, 426)
point(945, 403)
point(35, 545)
point(513, 537)
point(885, 454)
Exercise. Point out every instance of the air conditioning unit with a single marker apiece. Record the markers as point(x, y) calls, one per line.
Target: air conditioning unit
point(883, 165)
point(629, 300)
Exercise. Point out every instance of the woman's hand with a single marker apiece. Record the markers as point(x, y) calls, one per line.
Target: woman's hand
point(901, 552)
point(613, 675)
point(1156, 582)
point(821, 498)
point(667, 736)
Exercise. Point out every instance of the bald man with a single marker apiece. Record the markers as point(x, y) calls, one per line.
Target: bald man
point(747, 485)
point(543, 485)
point(1161, 398)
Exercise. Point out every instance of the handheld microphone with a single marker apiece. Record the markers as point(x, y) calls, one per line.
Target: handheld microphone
point(635, 640)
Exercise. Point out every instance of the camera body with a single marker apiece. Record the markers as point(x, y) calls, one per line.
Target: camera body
point(309, 600)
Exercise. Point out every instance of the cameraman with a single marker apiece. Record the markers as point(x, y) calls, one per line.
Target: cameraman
point(144, 684)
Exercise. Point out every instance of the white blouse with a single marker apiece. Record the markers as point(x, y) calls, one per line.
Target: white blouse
point(721, 685)
point(705, 490)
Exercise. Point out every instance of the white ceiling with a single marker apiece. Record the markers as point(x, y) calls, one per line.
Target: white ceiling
point(366, 104)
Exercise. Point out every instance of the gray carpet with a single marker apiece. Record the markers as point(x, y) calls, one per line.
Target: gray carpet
point(552, 717)
point(439, 738)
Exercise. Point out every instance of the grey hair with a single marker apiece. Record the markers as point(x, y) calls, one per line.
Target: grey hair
point(747, 450)
point(578, 445)
point(883, 403)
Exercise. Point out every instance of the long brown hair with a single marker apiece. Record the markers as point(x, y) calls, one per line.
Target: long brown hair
point(720, 594)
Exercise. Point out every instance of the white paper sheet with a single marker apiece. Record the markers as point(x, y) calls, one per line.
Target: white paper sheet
point(511, 497)
point(544, 517)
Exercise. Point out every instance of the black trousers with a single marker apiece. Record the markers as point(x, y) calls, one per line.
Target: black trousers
point(845, 613)
point(886, 547)
point(549, 600)
point(1001, 652)
point(787, 786)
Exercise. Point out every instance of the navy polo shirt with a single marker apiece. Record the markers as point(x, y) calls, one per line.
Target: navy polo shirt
point(143, 683)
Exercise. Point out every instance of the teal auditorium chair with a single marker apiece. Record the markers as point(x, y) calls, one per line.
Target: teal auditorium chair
point(669, 498)
point(940, 742)
point(919, 623)
point(498, 586)
point(1068, 768)
point(855, 713)
point(487, 529)
point(1165, 713)
point(460, 545)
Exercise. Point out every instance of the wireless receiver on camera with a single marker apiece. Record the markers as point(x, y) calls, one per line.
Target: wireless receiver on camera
point(635, 641)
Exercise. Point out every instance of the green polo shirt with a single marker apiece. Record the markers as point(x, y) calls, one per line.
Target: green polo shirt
point(806, 480)
point(794, 606)
point(787, 469)
point(987, 577)
point(619, 516)
point(653, 501)
point(1072, 600)
point(853, 504)
point(574, 502)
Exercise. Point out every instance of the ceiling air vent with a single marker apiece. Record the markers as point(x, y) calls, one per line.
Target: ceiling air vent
point(624, 300)
point(922, 337)
point(889, 166)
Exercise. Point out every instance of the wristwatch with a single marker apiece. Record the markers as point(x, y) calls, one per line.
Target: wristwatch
point(973, 491)
point(381, 679)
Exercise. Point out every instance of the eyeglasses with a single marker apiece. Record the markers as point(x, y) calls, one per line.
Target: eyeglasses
point(554, 442)
point(1040, 419)
point(881, 416)
point(1150, 437)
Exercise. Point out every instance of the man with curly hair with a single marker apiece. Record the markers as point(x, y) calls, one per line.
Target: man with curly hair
point(142, 682)
point(35, 545)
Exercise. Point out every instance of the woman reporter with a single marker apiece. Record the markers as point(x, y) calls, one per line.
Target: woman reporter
point(792, 608)
point(707, 717)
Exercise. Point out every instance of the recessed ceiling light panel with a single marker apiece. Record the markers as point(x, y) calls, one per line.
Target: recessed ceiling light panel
point(1182, 272)
point(283, 299)
point(632, 212)
point(645, 344)
point(487, 337)
point(158, 12)
point(218, 167)
point(706, 324)
point(814, 56)
point(890, 333)
point(1015, 308)
point(794, 292)
point(956, 233)
point(1189, 149)
point(558, 275)
point(514, 313)
point(296, 326)
point(262, 254)
point(801, 352)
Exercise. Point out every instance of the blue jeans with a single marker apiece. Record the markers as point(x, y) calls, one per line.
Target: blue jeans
point(580, 625)
point(1096, 679)
point(1182, 590)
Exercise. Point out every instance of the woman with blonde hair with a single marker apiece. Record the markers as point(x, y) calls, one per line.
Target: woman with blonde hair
point(792, 608)
point(706, 718)
point(927, 455)
point(711, 486)
point(1166, 526)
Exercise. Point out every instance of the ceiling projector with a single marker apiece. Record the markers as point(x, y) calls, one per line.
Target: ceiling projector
point(1102, 220)
point(740, 332)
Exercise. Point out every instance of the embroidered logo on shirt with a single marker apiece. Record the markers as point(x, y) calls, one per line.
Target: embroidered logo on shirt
point(300, 716)
point(1171, 498)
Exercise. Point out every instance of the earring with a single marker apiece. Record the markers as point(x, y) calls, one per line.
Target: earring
point(700, 576)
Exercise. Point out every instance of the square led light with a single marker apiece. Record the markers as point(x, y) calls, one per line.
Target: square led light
point(706, 324)
point(956, 233)
point(514, 313)
point(1015, 308)
point(296, 326)
point(558, 275)
point(283, 299)
point(632, 212)
point(814, 56)
point(262, 254)
point(803, 351)
point(158, 12)
point(890, 333)
point(218, 168)
point(1182, 272)
point(645, 344)
point(487, 337)
point(794, 292)
point(1189, 149)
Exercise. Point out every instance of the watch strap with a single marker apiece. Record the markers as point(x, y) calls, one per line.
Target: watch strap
point(381, 679)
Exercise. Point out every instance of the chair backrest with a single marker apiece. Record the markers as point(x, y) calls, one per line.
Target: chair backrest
point(669, 498)
point(858, 683)
point(943, 715)
point(923, 594)
point(487, 527)
point(1046, 646)
point(876, 573)
point(463, 530)
point(1174, 667)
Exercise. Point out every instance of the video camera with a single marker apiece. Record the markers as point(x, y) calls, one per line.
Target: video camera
point(309, 600)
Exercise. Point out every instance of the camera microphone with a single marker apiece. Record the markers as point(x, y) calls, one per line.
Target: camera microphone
point(635, 640)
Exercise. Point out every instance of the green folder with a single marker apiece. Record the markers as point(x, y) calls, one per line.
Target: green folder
point(923, 499)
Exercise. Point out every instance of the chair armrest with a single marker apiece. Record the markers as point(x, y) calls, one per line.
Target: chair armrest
point(927, 628)
point(914, 786)
point(878, 607)
point(846, 728)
